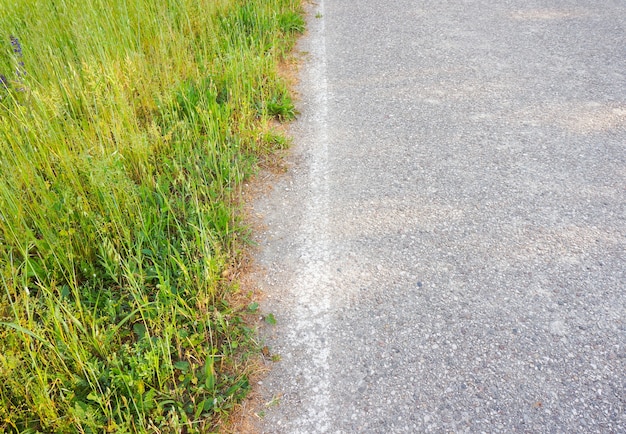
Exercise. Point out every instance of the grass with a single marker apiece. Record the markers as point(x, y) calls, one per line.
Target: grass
point(125, 130)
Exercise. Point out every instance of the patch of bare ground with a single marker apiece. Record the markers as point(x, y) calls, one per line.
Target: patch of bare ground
point(244, 272)
point(241, 276)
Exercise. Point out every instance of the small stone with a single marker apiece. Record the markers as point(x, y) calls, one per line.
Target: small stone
point(558, 328)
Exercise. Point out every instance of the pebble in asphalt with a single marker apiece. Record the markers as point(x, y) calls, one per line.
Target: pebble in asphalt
point(447, 252)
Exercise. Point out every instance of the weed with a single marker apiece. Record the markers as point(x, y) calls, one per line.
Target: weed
point(270, 319)
point(291, 22)
point(117, 185)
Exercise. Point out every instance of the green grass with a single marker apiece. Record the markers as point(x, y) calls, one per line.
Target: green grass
point(125, 130)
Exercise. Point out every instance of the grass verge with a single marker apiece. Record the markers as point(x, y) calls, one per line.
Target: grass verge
point(126, 128)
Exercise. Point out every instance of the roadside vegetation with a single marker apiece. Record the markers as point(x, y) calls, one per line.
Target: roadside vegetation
point(125, 129)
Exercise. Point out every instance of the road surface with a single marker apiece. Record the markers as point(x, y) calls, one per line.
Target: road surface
point(447, 252)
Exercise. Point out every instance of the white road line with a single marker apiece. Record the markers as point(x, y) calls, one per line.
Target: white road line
point(312, 288)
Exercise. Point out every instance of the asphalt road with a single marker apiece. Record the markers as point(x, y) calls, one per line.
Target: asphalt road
point(447, 252)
